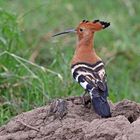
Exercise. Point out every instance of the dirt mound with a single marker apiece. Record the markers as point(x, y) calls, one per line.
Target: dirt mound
point(78, 123)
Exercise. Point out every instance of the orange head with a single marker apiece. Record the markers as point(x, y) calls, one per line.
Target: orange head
point(87, 28)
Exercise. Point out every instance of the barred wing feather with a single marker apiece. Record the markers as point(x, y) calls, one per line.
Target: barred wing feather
point(93, 79)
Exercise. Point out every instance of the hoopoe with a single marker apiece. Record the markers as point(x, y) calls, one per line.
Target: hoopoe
point(88, 68)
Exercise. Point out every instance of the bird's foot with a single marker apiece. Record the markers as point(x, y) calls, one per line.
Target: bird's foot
point(58, 108)
point(86, 100)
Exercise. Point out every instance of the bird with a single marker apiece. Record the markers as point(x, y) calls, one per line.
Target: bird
point(87, 68)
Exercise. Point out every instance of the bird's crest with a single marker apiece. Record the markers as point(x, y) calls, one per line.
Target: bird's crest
point(94, 26)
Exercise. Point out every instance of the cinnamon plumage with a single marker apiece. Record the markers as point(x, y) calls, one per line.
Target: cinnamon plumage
point(88, 68)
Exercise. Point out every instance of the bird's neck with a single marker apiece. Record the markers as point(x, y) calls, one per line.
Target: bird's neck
point(85, 51)
point(85, 43)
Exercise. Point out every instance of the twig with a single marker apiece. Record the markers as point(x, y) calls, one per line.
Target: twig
point(29, 126)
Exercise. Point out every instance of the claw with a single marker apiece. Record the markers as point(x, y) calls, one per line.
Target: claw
point(86, 99)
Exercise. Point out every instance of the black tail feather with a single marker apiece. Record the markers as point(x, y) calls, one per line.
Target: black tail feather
point(101, 106)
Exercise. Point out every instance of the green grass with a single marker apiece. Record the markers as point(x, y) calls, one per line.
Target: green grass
point(25, 30)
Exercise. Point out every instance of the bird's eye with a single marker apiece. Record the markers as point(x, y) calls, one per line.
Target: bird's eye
point(81, 29)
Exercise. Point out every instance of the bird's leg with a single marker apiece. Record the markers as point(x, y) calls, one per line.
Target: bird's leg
point(58, 108)
point(86, 99)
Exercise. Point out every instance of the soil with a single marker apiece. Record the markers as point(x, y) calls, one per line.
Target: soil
point(75, 122)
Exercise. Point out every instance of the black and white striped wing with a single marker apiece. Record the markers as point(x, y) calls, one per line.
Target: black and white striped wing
point(93, 79)
point(89, 76)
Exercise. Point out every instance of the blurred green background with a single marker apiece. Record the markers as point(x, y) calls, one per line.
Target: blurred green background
point(35, 68)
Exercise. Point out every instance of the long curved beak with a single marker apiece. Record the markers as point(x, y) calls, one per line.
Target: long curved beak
point(65, 32)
